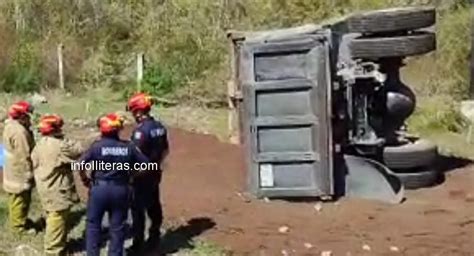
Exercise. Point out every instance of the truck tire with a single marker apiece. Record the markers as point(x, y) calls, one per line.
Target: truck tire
point(390, 20)
point(418, 179)
point(411, 155)
point(416, 43)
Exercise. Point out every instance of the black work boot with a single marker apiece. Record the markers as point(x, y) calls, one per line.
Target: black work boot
point(136, 248)
point(153, 242)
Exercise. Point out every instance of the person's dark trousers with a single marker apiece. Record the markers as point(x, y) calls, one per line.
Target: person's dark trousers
point(147, 202)
point(111, 198)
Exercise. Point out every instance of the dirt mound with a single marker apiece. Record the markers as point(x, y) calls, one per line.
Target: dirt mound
point(203, 179)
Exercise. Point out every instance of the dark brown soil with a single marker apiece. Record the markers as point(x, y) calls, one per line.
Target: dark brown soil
point(203, 179)
point(202, 195)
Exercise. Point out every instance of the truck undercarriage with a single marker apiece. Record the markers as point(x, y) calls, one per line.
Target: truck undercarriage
point(337, 86)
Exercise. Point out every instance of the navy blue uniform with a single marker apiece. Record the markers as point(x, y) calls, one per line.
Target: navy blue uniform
point(110, 190)
point(150, 136)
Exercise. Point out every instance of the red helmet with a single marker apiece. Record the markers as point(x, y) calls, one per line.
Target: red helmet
point(140, 102)
point(49, 124)
point(110, 123)
point(20, 109)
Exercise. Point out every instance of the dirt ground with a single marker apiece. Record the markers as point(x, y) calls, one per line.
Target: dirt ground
point(203, 194)
point(203, 179)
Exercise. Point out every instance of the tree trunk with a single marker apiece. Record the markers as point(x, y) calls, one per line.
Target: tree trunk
point(18, 16)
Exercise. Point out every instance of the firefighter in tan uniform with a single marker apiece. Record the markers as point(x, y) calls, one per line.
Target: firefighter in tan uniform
point(52, 158)
point(18, 142)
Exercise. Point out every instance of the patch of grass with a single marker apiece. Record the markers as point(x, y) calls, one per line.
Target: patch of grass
point(200, 120)
point(12, 243)
point(202, 248)
point(452, 144)
point(439, 120)
point(88, 105)
point(436, 114)
point(85, 105)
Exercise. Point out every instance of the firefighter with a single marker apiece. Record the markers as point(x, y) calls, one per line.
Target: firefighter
point(52, 158)
point(109, 186)
point(151, 138)
point(18, 180)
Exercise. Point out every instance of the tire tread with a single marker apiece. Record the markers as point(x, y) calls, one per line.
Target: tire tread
point(391, 20)
point(397, 46)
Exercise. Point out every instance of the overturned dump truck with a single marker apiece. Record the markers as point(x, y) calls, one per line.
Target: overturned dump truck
point(321, 109)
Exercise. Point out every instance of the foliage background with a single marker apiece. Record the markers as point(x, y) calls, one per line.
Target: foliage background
point(185, 45)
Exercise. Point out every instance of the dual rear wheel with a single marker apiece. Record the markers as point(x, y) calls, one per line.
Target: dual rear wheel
point(413, 163)
point(391, 33)
point(397, 33)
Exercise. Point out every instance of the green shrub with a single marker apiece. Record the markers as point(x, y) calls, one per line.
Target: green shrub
point(20, 79)
point(157, 80)
point(160, 81)
point(185, 42)
point(452, 64)
point(23, 75)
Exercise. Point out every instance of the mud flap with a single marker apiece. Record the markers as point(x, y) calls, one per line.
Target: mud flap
point(368, 179)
